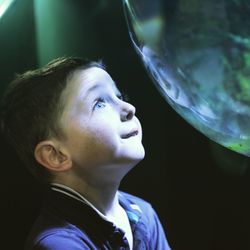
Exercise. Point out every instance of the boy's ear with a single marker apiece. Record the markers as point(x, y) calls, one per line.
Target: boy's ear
point(49, 155)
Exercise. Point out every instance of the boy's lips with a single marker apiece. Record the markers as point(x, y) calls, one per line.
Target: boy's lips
point(130, 134)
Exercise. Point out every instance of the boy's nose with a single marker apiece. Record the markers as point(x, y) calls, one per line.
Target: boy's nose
point(127, 111)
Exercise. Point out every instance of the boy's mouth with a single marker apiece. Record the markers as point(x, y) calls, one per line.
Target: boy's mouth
point(132, 133)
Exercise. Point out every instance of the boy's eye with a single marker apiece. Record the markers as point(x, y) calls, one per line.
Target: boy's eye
point(123, 97)
point(100, 103)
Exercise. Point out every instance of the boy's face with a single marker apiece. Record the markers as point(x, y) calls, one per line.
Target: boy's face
point(100, 127)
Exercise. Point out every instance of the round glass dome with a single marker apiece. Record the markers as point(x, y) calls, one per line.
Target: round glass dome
point(198, 56)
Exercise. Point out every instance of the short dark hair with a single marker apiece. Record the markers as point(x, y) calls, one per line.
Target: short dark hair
point(31, 107)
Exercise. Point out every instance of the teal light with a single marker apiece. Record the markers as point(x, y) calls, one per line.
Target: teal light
point(4, 5)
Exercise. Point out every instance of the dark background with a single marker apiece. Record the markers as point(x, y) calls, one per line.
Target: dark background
point(199, 189)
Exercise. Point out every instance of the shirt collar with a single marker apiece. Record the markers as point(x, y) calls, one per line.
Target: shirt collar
point(133, 210)
point(75, 195)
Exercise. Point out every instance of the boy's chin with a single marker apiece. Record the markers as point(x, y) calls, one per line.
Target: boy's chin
point(139, 156)
point(132, 157)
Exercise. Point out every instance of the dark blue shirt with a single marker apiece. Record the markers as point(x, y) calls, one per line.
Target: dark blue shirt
point(66, 223)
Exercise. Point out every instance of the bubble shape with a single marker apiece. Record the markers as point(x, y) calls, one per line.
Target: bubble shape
point(197, 53)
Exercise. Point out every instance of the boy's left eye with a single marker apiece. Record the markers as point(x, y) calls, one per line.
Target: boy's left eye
point(100, 103)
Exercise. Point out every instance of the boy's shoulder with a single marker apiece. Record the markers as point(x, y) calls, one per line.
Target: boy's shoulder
point(132, 198)
point(135, 203)
point(140, 210)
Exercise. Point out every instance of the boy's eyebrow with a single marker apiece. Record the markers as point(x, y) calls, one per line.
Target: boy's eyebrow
point(92, 89)
point(99, 86)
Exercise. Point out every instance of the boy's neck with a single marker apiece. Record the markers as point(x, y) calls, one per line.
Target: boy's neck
point(102, 197)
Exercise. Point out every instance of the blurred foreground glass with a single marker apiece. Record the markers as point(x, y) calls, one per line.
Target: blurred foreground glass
point(4, 5)
point(198, 54)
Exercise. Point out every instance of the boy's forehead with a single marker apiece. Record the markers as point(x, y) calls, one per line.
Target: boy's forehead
point(95, 77)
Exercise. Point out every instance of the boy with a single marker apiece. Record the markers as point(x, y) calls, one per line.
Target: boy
point(70, 125)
